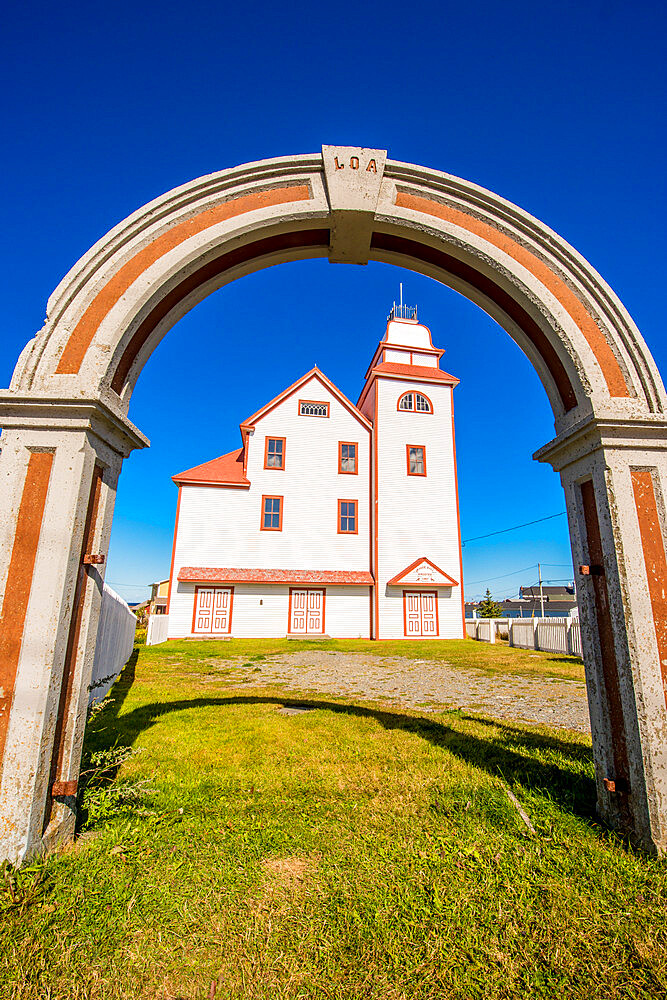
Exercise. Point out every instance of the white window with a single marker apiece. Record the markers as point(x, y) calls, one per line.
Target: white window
point(415, 402)
point(311, 408)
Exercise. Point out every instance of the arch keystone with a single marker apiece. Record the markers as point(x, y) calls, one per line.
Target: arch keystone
point(353, 176)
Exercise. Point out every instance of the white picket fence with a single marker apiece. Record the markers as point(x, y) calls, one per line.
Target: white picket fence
point(552, 635)
point(115, 639)
point(157, 629)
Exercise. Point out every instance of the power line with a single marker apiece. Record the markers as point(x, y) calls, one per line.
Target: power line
point(516, 527)
point(490, 579)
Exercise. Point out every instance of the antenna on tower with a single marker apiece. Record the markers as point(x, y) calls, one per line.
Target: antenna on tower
point(400, 311)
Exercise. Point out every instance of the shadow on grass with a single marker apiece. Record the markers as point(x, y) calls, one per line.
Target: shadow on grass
point(507, 751)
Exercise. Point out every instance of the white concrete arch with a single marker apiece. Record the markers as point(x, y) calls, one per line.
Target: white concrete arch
point(66, 431)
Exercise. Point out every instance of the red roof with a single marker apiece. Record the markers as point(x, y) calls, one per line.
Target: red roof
point(422, 372)
point(227, 470)
point(227, 574)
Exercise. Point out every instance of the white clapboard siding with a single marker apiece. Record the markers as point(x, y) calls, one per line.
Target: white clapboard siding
point(220, 527)
point(115, 640)
point(263, 612)
point(416, 514)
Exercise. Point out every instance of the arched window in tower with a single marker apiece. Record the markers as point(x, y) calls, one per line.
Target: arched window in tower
point(415, 402)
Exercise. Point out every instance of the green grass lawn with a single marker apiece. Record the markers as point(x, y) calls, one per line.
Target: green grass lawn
point(350, 851)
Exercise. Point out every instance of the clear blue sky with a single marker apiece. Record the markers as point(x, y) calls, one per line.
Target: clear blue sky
point(559, 107)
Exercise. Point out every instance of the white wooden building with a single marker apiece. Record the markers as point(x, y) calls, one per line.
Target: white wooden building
point(330, 519)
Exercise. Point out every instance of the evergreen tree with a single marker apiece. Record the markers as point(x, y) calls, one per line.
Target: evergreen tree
point(488, 608)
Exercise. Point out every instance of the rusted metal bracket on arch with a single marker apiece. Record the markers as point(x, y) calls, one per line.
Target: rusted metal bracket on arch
point(91, 559)
point(616, 785)
point(591, 570)
point(63, 789)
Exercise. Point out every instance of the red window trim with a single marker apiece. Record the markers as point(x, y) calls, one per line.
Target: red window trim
point(407, 591)
point(278, 468)
point(272, 496)
point(356, 517)
point(414, 392)
point(314, 402)
point(407, 456)
point(208, 586)
point(324, 609)
point(341, 470)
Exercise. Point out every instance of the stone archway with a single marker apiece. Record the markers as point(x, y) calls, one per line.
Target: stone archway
point(66, 432)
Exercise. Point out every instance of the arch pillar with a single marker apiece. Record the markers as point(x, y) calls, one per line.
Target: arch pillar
point(60, 466)
point(614, 473)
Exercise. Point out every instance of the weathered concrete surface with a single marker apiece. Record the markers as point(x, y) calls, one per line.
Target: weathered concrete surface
point(67, 431)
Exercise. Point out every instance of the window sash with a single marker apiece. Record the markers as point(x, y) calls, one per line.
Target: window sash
point(347, 517)
point(275, 453)
point(416, 460)
point(348, 457)
point(311, 408)
point(415, 402)
point(271, 512)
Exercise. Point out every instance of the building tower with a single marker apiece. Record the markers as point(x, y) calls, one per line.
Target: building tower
point(415, 531)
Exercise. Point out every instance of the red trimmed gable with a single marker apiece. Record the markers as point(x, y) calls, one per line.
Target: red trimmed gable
point(433, 576)
point(227, 470)
point(327, 383)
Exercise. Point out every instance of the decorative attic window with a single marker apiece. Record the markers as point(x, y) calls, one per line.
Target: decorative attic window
point(311, 408)
point(415, 402)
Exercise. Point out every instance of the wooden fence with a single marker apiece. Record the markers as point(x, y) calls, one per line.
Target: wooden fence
point(157, 629)
point(552, 635)
point(115, 639)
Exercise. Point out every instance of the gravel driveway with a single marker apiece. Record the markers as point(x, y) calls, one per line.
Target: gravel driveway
point(426, 685)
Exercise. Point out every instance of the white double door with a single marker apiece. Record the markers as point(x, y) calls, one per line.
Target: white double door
point(421, 613)
point(213, 610)
point(306, 612)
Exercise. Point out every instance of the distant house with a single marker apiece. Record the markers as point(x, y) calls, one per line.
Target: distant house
point(159, 598)
point(559, 602)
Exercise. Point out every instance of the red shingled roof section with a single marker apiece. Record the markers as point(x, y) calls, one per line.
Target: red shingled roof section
point(227, 470)
point(416, 371)
point(227, 574)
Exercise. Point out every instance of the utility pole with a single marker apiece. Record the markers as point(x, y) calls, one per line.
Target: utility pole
point(539, 577)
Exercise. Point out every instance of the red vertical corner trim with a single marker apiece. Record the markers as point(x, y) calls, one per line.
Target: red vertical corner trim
point(376, 511)
point(606, 634)
point(458, 521)
point(245, 437)
point(67, 681)
point(173, 549)
point(19, 579)
point(653, 547)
